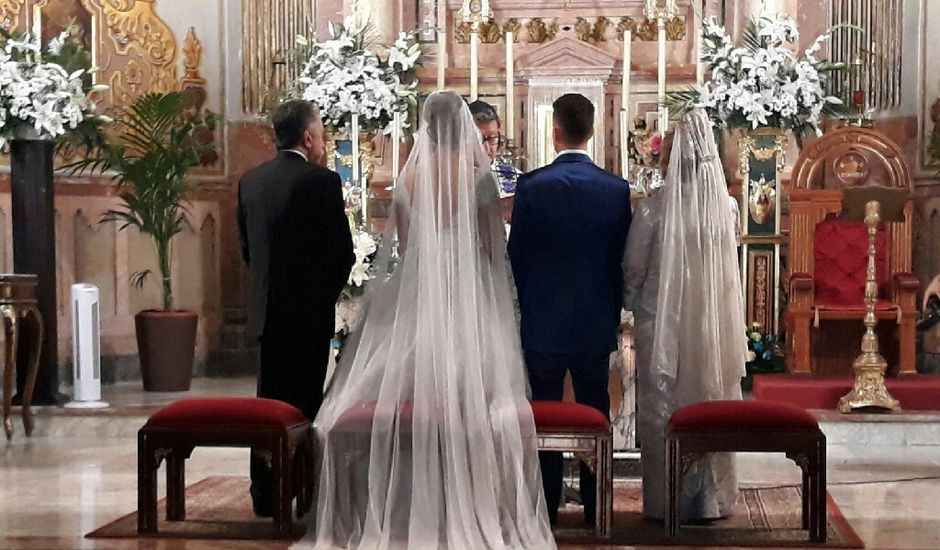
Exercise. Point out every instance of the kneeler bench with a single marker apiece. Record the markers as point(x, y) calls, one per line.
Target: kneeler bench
point(586, 432)
point(276, 430)
point(748, 426)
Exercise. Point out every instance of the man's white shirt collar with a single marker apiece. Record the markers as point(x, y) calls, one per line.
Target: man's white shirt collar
point(299, 152)
point(573, 152)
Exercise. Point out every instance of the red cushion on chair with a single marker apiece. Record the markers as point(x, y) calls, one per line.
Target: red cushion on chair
point(840, 250)
point(253, 411)
point(557, 415)
point(741, 416)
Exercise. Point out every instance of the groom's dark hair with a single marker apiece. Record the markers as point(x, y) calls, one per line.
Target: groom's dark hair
point(291, 119)
point(574, 115)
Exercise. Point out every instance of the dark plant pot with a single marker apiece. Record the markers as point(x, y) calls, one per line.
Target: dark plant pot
point(166, 342)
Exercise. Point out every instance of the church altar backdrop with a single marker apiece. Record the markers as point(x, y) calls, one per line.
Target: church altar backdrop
point(229, 49)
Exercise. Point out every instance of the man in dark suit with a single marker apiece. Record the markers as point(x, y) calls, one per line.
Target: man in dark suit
point(296, 241)
point(569, 227)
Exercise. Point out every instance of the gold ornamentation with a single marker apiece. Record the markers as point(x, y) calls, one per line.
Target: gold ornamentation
point(192, 59)
point(135, 23)
point(490, 32)
point(539, 32)
point(514, 26)
point(626, 24)
point(748, 148)
point(852, 168)
point(675, 28)
point(366, 153)
point(599, 33)
point(462, 32)
point(760, 266)
point(10, 13)
point(869, 390)
point(648, 31)
point(583, 29)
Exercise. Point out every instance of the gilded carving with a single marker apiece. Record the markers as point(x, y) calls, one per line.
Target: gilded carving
point(462, 32)
point(647, 31)
point(583, 30)
point(135, 23)
point(490, 32)
point(10, 12)
point(192, 59)
point(514, 26)
point(626, 24)
point(539, 32)
point(675, 28)
point(599, 32)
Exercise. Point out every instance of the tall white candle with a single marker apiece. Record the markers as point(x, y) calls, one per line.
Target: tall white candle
point(663, 112)
point(699, 66)
point(625, 104)
point(356, 180)
point(441, 44)
point(396, 143)
point(510, 87)
point(474, 64)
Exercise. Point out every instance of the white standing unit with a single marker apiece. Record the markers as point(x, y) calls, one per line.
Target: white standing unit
point(86, 347)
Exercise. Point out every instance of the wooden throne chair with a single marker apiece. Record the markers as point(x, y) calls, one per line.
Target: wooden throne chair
point(828, 257)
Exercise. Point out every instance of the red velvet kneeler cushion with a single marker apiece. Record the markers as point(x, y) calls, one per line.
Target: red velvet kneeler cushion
point(360, 417)
point(840, 254)
point(556, 415)
point(741, 416)
point(245, 411)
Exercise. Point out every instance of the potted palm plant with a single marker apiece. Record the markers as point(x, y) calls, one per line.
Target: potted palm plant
point(150, 154)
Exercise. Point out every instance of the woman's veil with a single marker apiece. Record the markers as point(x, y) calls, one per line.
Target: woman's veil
point(425, 436)
point(700, 329)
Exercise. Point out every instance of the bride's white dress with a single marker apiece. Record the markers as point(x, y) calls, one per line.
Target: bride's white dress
point(426, 438)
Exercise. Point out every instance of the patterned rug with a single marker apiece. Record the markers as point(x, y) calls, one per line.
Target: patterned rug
point(218, 508)
point(763, 517)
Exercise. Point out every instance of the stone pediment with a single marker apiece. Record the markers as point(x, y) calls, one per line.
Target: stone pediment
point(567, 57)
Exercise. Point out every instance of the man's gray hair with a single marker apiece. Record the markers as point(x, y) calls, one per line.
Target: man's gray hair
point(291, 119)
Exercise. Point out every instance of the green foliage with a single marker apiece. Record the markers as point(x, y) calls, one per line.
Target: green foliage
point(153, 150)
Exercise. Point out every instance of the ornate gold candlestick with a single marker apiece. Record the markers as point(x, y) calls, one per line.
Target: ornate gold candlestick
point(870, 366)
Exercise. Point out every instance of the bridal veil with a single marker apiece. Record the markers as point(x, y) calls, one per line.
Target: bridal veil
point(425, 435)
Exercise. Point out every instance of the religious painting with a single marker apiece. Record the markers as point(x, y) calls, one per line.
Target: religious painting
point(56, 16)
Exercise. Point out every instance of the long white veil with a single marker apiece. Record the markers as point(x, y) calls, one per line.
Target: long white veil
point(426, 438)
point(700, 329)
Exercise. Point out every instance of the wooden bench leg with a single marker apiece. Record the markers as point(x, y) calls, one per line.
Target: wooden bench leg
point(175, 486)
point(604, 512)
point(283, 488)
point(146, 486)
point(817, 494)
point(673, 482)
point(807, 498)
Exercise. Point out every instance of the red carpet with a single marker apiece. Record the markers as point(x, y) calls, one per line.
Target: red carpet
point(916, 392)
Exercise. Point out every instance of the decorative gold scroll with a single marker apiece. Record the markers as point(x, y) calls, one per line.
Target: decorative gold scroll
point(10, 12)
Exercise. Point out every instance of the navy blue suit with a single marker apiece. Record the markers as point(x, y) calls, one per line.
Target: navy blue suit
point(569, 229)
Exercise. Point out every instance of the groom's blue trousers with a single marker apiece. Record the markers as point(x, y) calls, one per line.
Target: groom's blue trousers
point(589, 375)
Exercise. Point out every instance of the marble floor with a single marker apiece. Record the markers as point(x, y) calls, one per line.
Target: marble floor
point(67, 481)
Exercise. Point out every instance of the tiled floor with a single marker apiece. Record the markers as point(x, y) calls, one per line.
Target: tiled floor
point(67, 481)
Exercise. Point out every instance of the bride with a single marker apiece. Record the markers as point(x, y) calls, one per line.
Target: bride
point(426, 438)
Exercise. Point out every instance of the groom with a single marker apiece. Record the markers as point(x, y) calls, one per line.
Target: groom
point(297, 244)
point(569, 226)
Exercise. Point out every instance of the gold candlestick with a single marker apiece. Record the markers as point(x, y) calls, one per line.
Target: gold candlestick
point(870, 367)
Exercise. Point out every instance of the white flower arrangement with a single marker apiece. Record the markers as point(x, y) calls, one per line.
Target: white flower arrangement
point(763, 83)
point(39, 98)
point(351, 74)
